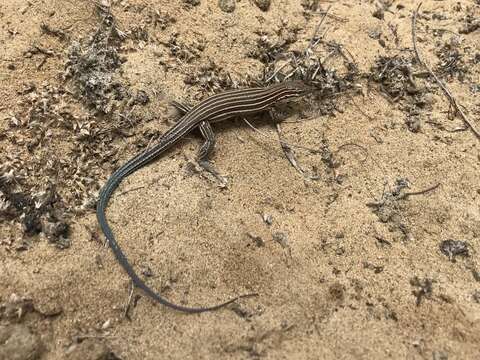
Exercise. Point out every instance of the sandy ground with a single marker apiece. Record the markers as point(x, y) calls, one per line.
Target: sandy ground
point(336, 278)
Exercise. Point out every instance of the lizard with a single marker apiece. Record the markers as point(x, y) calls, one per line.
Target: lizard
point(223, 106)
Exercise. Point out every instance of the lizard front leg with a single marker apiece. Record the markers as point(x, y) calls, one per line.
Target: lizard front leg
point(208, 146)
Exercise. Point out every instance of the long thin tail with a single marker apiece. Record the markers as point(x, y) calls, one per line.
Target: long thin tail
point(128, 168)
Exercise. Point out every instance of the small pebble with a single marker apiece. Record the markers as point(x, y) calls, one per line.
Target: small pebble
point(227, 6)
point(263, 5)
point(106, 324)
point(281, 238)
point(268, 219)
point(375, 34)
point(379, 14)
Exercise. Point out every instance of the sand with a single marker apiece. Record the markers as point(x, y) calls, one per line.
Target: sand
point(336, 278)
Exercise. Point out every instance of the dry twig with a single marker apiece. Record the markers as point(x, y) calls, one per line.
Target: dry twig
point(444, 88)
point(128, 306)
point(287, 149)
point(420, 192)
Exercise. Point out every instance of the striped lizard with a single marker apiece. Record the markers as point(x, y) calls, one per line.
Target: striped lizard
point(223, 106)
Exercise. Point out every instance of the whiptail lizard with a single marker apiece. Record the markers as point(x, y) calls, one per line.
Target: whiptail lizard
point(223, 106)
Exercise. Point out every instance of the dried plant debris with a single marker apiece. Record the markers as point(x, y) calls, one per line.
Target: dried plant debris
point(310, 5)
point(48, 30)
point(417, 109)
point(453, 101)
point(390, 210)
point(281, 238)
point(471, 24)
point(59, 150)
point(59, 139)
point(138, 33)
point(451, 62)
point(159, 19)
point(108, 22)
point(45, 129)
point(386, 206)
point(269, 48)
point(257, 240)
point(92, 68)
point(328, 157)
point(211, 77)
point(377, 269)
point(42, 109)
point(37, 212)
point(93, 65)
point(424, 288)
point(183, 51)
point(268, 219)
point(312, 8)
point(453, 248)
point(325, 65)
point(395, 76)
point(413, 122)
point(15, 308)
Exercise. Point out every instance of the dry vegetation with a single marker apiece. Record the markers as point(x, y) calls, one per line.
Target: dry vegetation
point(355, 215)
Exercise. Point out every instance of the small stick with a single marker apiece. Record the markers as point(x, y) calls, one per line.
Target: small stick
point(444, 88)
point(312, 150)
point(43, 51)
point(335, 17)
point(312, 40)
point(290, 155)
point(421, 192)
point(312, 44)
point(126, 312)
point(278, 70)
point(341, 147)
point(287, 150)
point(80, 338)
point(360, 109)
point(129, 190)
point(53, 32)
